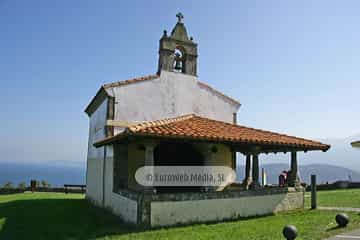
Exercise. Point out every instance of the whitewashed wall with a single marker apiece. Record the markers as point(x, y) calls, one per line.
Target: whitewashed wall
point(185, 212)
point(170, 95)
point(95, 157)
point(119, 205)
point(222, 157)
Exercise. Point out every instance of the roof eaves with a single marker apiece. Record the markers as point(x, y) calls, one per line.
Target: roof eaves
point(110, 139)
point(90, 107)
point(138, 130)
point(131, 81)
point(355, 144)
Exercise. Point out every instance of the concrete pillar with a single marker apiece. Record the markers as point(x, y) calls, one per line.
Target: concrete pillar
point(149, 155)
point(247, 180)
point(233, 158)
point(292, 178)
point(255, 172)
point(263, 178)
point(209, 161)
point(149, 161)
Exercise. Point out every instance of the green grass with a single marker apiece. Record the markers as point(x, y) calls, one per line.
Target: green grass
point(58, 216)
point(53, 216)
point(336, 198)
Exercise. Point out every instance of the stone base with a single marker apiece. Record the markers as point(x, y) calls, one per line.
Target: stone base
point(168, 209)
point(255, 186)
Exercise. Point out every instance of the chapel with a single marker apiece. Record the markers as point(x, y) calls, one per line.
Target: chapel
point(172, 118)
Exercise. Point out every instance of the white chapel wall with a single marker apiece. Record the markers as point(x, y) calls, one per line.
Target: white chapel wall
point(170, 95)
point(95, 157)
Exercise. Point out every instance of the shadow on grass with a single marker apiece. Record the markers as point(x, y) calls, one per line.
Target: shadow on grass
point(333, 228)
point(58, 219)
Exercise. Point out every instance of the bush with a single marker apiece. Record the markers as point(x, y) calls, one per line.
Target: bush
point(22, 185)
point(45, 184)
point(8, 185)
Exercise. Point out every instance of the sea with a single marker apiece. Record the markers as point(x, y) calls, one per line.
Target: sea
point(55, 173)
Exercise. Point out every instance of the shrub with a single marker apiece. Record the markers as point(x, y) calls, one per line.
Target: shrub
point(45, 184)
point(8, 185)
point(22, 185)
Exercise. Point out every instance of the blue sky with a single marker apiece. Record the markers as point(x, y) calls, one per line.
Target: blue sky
point(294, 65)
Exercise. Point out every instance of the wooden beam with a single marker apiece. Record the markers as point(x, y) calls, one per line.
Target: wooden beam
point(116, 123)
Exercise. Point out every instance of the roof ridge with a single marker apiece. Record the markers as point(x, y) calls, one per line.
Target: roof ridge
point(129, 81)
point(154, 123)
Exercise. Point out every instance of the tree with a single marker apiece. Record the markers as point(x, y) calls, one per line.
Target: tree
point(8, 185)
point(22, 185)
point(45, 184)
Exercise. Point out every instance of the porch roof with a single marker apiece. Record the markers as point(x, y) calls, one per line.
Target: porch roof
point(355, 144)
point(193, 127)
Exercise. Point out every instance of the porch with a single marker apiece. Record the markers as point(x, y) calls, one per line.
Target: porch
point(196, 141)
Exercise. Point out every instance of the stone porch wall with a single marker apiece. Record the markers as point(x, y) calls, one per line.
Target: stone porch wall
point(157, 210)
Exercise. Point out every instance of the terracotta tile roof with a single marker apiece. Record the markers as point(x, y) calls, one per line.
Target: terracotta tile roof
point(199, 128)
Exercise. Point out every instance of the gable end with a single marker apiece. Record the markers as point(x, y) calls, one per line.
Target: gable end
point(100, 96)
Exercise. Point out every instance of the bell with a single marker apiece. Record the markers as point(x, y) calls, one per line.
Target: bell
point(178, 64)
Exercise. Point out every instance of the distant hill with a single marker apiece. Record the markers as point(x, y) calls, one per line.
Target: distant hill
point(324, 172)
point(59, 174)
point(340, 154)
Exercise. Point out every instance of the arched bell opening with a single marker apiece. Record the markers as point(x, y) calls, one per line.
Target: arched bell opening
point(179, 60)
point(177, 154)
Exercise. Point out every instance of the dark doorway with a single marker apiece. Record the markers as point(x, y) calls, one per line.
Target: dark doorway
point(177, 154)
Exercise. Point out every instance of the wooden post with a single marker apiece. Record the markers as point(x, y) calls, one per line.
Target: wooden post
point(313, 192)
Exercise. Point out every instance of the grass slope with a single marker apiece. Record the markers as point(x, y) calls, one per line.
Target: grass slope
point(59, 216)
point(336, 198)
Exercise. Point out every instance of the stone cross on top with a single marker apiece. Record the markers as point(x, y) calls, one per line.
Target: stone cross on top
point(179, 16)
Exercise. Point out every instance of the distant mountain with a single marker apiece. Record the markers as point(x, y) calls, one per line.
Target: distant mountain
point(57, 174)
point(324, 172)
point(341, 154)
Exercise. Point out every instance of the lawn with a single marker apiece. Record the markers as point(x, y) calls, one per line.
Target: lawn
point(60, 216)
point(336, 198)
